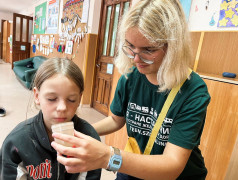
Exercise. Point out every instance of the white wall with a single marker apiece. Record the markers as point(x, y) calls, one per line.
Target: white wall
point(93, 18)
point(5, 16)
point(30, 11)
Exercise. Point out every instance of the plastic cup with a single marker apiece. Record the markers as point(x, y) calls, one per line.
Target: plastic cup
point(64, 128)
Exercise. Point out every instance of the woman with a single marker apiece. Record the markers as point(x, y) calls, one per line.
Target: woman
point(154, 57)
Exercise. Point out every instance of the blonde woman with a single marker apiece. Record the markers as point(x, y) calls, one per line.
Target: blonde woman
point(153, 57)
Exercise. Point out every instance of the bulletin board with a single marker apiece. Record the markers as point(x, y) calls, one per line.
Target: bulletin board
point(73, 30)
point(78, 51)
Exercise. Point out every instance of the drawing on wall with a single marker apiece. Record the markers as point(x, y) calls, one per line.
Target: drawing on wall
point(72, 27)
point(53, 17)
point(207, 4)
point(69, 47)
point(212, 21)
point(186, 7)
point(228, 13)
point(40, 18)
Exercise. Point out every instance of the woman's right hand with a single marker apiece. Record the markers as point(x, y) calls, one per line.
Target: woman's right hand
point(87, 153)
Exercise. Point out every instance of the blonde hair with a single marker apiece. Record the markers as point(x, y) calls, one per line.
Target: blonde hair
point(62, 66)
point(161, 22)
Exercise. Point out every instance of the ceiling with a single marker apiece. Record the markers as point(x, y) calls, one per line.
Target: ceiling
point(11, 6)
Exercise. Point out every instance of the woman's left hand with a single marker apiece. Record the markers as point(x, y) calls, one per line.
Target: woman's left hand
point(87, 153)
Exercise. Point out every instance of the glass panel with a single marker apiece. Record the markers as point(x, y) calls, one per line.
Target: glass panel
point(109, 10)
point(114, 33)
point(126, 7)
point(18, 31)
point(24, 30)
point(30, 30)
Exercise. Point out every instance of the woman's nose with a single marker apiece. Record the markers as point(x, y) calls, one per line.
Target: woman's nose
point(137, 58)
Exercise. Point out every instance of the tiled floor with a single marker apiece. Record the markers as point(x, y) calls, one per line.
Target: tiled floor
point(17, 100)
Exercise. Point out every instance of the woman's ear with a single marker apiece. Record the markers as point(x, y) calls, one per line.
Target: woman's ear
point(36, 95)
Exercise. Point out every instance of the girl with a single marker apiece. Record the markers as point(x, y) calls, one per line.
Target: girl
point(26, 152)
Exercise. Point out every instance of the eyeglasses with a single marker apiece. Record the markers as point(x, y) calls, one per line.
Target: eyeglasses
point(146, 56)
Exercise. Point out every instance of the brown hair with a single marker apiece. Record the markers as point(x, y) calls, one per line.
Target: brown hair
point(62, 66)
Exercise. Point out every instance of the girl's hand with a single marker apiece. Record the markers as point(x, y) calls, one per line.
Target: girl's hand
point(87, 153)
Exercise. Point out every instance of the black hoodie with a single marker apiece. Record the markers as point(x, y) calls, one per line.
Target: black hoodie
point(26, 152)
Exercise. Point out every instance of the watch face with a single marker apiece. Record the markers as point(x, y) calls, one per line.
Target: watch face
point(116, 162)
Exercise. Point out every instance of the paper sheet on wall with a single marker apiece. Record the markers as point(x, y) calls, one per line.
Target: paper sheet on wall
point(228, 14)
point(69, 47)
point(53, 17)
point(85, 11)
point(40, 18)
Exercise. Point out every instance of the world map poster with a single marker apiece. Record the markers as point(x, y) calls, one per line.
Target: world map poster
point(228, 13)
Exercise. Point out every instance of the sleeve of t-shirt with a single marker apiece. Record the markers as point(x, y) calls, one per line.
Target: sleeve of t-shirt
point(116, 106)
point(189, 122)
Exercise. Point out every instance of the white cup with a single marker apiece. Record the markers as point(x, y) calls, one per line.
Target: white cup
point(64, 128)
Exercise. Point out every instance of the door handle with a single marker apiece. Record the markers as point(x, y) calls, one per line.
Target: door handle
point(98, 65)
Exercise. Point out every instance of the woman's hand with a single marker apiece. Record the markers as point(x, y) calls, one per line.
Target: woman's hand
point(87, 153)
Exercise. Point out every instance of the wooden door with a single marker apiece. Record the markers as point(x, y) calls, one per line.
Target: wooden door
point(112, 12)
point(22, 30)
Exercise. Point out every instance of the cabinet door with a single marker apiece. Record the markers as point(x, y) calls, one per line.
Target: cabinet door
point(221, 128)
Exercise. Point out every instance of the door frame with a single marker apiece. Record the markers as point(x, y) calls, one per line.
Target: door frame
point(97, 52)
point(17, 43)
point(2, 23)
point(99, 48)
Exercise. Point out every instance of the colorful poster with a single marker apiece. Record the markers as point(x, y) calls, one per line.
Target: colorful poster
point(186, 7)
point(228, 13)
point(72, 27)
point(40, 19)
point(53, 17)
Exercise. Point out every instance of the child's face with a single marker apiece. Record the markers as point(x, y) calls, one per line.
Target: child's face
point(58, 98)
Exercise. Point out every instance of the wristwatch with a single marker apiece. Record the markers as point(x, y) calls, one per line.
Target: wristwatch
point(115, 161)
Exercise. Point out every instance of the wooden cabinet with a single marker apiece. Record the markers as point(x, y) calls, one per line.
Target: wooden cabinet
point(213, 54)
point(216, 52)
point(221, 129)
